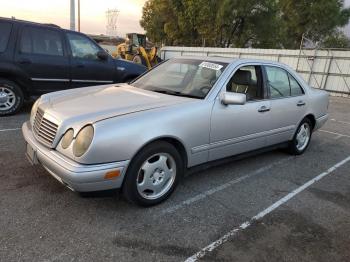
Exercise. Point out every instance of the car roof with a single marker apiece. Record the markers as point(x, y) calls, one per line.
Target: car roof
point(14, 20)
point(229, 60)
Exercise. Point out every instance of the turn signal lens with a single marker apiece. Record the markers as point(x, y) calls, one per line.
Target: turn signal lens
point(67, 139)
point(83, 140)
point(112, 174)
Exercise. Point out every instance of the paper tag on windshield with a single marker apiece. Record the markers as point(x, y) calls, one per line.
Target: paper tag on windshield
point(209, 65)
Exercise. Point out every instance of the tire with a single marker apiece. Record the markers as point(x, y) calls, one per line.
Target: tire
point(294, 147)
point(138, 59)
point(147, 174)
point(11, 97)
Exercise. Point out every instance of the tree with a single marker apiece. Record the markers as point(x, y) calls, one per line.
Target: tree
point(242, 23)
point(316, 19)
point(337, 40)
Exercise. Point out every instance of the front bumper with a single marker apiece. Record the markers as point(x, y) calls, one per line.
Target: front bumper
point(76, 176)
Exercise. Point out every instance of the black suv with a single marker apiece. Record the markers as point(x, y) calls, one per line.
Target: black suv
point(40, 58)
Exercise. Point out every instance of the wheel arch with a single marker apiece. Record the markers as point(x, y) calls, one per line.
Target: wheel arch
point(312, 118)
point(14, 78)
point(179, 146)
point(169, 139)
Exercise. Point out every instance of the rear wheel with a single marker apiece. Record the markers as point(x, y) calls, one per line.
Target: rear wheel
point(11, 97)
point(153, 174)
point(302, 138)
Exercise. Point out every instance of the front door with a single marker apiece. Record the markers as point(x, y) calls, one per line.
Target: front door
point(42, 56)
point(87, 69)
point(237, 129)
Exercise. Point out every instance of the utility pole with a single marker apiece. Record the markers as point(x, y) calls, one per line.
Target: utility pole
point(78, 15)
point(72, 15)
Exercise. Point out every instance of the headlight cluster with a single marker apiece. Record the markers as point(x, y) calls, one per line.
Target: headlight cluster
point(82, 141)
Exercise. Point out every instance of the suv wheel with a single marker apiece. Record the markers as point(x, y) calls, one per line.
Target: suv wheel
point(11, 97)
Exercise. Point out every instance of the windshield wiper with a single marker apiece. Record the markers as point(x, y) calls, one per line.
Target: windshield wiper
point(174, 93)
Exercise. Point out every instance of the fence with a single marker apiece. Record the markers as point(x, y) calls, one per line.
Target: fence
point(327, 69)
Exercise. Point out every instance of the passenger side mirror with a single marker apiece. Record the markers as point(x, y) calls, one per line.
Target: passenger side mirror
point(233, 98)
point(102, 55)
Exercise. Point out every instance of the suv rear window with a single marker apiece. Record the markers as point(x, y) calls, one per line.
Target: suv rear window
point(41, 41)
point(5, 30)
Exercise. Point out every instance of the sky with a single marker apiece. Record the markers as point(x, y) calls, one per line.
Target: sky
point(93, 13)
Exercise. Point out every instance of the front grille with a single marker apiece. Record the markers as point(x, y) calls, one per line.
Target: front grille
point(43, 128)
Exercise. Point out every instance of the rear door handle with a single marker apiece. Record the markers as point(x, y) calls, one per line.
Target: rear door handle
point(301, 103)
point(263, 109)
point(25, 61)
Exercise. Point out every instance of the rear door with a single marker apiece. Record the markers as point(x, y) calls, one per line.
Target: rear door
point(87, 69)
point(288, 104)
point(42, 56)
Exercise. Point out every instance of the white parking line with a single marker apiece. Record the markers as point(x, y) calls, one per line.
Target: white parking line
point(334, 133)
point(341, 122)
point(10, 129)
point(210, 192)
point(263, 213)
point(221, 187)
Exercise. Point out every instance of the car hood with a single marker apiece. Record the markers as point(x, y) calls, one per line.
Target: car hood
point(92, 104)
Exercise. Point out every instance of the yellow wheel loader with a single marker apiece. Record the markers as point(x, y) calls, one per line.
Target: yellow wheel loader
point(134, 49)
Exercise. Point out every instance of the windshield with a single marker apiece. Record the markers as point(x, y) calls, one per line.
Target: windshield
point(182, 77)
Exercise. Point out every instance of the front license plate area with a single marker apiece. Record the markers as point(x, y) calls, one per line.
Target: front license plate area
point(31, 155)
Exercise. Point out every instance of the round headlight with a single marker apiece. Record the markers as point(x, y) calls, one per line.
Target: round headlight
point(67, 139)
point(83, 140)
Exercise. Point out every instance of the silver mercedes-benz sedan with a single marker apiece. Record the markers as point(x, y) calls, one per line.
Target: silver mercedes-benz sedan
point(143, 136)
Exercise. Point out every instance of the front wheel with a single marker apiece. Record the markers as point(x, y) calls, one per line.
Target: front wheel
point(153, 174)
point(302, 138)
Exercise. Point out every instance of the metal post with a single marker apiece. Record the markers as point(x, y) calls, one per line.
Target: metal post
point(78, 15)
point(324, 71)
point(278, 57)
point(328, 70)
point(312, 67)
point(72, 15)
point(301, 46)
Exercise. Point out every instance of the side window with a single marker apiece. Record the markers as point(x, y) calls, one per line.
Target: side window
point(41, 41)
point(5, 30)
point(82, 47)
point(281, 83)
point(247, 80)
point(295, 88)
point(278, 82)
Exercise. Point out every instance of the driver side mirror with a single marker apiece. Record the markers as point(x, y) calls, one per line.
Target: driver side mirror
point(233, 98)
point(102, 55)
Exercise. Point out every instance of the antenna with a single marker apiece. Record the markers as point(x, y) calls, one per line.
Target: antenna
point(112, 16)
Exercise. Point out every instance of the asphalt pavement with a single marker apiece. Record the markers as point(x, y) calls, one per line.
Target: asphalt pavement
point(267, 207)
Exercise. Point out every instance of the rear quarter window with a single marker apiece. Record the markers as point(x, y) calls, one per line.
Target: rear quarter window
point(5, 31)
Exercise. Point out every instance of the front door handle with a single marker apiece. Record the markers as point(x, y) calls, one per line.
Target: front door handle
point(301, 103)
point(263, 109)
